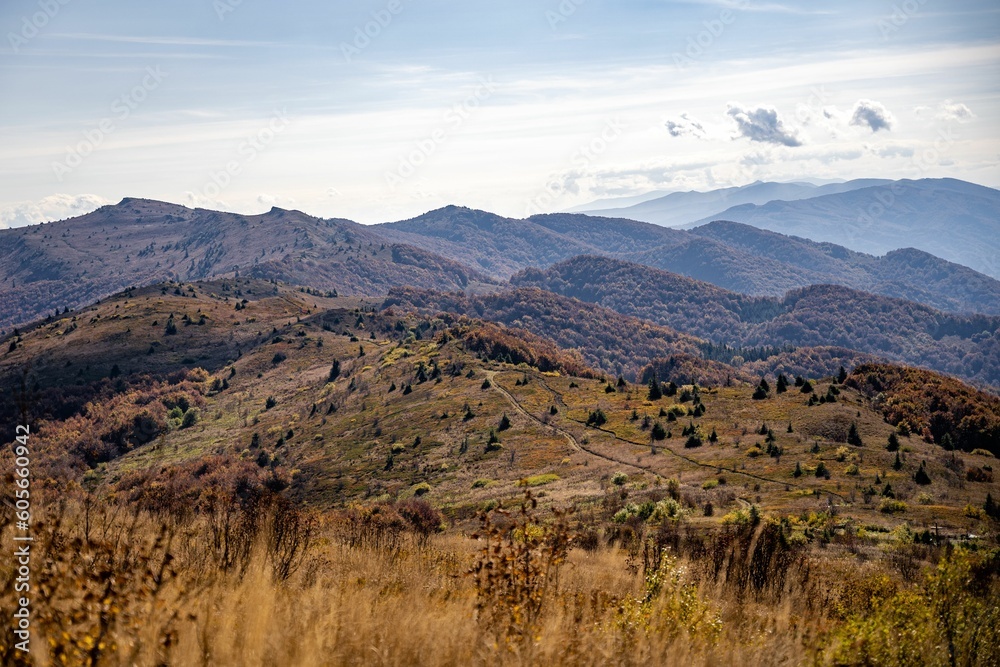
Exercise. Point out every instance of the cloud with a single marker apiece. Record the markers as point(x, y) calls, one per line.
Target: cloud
point(873, 115)
point(275, 200)
point(685, 125)
point(53, 207)
point(956, 111)
point(763, 125)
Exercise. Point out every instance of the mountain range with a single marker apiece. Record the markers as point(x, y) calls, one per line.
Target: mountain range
point(955, 220)
point(620, 292)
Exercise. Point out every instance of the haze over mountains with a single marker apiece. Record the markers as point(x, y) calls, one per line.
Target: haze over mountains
point(954, 220)
point(678, 208)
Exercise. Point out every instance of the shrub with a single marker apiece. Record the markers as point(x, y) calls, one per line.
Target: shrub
point(421, 489)
point(597, 418)
point(190, 418)
point(270, 402)
point(891, 506)
point(539, 480)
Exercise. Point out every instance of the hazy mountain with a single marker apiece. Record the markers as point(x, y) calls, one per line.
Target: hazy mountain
point(679, 208)
point(73, 262)
point(952, 219)
point(737, 257)
point(813, 316)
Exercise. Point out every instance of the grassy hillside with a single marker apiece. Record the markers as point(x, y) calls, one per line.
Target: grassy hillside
point(355, 478)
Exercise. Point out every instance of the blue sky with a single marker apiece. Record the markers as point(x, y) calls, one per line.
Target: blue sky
point(516, 107)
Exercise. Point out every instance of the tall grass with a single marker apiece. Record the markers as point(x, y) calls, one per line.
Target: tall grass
point(264, 583)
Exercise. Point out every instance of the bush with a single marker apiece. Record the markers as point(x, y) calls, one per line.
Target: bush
point(191, 417)
point(891, 506)
point(619, 478)
point(539, 480)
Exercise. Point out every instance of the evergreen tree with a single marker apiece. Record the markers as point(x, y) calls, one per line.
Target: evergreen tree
point(655, 393)
point(893, 444)
point(821, 471)
point(921, 477)
point(798, 471)
point(807, 387)
point(947, 443)
point(842, 375)
point(991, 507)
point(713, 436)
point(504, 423)
point(658, 432)
point(671, 389)
point(853, 437)
point(782, 385)
point(898, 463)
point(334, 370)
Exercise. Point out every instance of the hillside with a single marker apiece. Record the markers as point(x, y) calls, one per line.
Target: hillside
point(71, 263)
point(332, 400)
point(293, 445)
point(952, 219)
point(822, 315)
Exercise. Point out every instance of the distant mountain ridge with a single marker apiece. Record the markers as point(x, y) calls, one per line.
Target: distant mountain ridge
point(737, 257)
point(139, 242)
point(680, 208)
point(952, 219)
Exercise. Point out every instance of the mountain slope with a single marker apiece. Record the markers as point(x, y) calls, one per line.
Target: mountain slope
point(952, 219)
point(139, 242)
point(907, 273)
point(967, 346)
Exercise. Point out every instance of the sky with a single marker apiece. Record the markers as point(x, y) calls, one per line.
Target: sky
point(382, 110)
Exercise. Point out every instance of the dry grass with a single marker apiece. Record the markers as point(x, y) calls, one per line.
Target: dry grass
point(128, 588)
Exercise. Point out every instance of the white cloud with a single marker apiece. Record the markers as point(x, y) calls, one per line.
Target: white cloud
point(955, 111)
point(47, 209)
point(762, 124)
point(873, 115)
point(684, 125)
